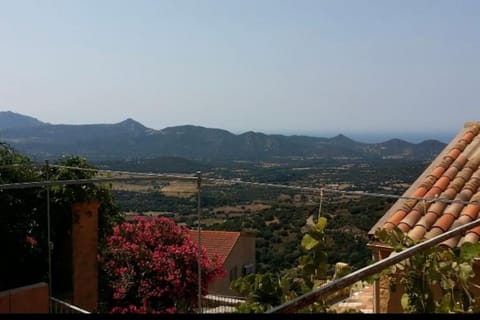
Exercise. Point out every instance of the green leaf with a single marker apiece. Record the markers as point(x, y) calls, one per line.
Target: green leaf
point(321, 224)
point(445, 303)
point(393, 269)
point(405, 301)
point(447, 284)
point(305, 260)
point(285, 284)
point(465, 271)
point(308, 242)
point(373, 278)
point(469, 251)
point(318, 283)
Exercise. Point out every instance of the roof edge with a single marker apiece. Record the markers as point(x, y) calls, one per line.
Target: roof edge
point(421, 178)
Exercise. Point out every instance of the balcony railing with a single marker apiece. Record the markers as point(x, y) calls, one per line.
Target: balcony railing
point(307, 299)
point(215, 303)
point(59, 306)
point(295, 305)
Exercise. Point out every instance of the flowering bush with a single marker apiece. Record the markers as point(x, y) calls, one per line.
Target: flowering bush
point(152, 266)
point(30, 241)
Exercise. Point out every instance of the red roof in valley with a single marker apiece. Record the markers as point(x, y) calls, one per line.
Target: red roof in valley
point(218, 243)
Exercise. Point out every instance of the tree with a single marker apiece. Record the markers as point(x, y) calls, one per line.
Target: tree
point(19, 222)
point(75, 168)
point(23, 218)
point(61, 199)
point(264, 291)
point(152, 266)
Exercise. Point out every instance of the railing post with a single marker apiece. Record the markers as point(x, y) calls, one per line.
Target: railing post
point(47, 170)
point(199, 185)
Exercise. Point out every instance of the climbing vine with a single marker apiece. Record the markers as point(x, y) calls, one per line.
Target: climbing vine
point(437, 280)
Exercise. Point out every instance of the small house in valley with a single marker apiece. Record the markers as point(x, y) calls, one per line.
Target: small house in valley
point(237, 251)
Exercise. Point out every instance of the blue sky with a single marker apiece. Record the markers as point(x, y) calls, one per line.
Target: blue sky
point(381, 67)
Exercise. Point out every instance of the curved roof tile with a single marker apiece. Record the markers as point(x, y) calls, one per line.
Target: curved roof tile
point(453, 175)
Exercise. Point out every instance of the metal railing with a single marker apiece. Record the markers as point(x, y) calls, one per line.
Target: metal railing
point(59, 306)
point(216, 303)
point(313, 296)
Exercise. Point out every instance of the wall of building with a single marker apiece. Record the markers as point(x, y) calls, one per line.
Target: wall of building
point(28, 299)
point(390, 296)
point(84, 251)
point(242, 254)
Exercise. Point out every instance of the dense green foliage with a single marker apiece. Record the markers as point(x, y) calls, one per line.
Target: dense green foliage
point(276, 227)
point(64, 196)
point(266, 290)
point(361, 174)
point(23, 219)
point(158, 164)
point(437, 280)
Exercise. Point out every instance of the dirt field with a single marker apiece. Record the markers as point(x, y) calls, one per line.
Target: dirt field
point(173, 188)
point(242, 208)
point(135, 187)
point(180, 189)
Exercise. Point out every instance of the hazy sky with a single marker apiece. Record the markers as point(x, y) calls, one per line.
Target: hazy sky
point(273, 66)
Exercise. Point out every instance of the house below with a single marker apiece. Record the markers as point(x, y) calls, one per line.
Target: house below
point(236, 249)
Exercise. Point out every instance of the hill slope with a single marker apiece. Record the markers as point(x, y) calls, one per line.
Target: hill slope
point(9, 119)
point(131, 140)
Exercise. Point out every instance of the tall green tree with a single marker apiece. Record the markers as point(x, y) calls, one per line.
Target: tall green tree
point(23, 215)
point(61, 199)
point(20, 220)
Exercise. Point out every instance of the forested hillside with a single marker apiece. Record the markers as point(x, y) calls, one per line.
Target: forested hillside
point(130, 140)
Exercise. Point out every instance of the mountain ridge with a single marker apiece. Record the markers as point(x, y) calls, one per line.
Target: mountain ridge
point(130, 139)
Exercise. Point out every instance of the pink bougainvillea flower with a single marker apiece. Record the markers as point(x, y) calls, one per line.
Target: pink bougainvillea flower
point(31, 241)
point(152, 266)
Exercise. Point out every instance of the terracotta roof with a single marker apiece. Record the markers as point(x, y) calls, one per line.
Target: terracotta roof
point(453, 175)
point(218, 243)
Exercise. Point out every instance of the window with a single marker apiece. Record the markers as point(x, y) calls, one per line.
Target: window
point(247, 269)
point(233, 273)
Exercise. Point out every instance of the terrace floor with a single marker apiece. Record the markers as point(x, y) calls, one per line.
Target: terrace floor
point(361, 299)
